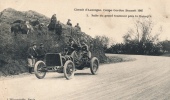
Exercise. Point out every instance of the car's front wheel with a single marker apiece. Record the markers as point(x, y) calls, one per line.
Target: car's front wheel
point(69, 69)
point(38, 69)
point(94, 65)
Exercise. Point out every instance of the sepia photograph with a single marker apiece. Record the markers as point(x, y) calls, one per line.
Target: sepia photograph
point(84, 50)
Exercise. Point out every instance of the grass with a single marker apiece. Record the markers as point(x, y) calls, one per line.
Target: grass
point(118, 59)
point(166, 54)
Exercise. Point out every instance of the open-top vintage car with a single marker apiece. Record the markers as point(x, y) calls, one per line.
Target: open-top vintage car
point(66, 64)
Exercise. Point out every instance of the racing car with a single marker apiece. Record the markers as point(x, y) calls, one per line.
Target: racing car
point(67, 64)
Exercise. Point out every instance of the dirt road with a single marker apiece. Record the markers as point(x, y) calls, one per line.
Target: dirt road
point(146, 78)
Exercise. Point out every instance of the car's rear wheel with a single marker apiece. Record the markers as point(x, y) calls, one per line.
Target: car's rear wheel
point(69, 69)
point(38, 69)
point(94, 65)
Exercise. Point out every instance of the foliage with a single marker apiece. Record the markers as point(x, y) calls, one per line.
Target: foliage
point(165, 46)
point(103, 41)
point(139, 40)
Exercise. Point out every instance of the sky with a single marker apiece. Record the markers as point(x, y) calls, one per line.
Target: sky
point(112, 27)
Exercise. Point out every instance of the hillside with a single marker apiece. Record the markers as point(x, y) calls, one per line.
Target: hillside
point(13, 48)
point(10, 15)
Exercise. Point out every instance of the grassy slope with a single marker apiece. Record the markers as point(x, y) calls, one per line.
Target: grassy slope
point(13, 48)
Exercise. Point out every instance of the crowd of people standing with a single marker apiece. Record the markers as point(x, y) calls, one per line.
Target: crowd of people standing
point(56, 23)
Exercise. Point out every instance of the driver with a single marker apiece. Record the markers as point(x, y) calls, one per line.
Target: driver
point(72, 46)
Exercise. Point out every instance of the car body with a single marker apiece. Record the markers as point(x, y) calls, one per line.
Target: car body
point(67, 64)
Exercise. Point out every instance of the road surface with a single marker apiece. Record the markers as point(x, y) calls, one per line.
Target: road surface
point(146, 78)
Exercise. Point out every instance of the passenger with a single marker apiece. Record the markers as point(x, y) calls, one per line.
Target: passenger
point(85, 50)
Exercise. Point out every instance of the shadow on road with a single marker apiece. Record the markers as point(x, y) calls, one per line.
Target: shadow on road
point(62, 76)
point(78, 74)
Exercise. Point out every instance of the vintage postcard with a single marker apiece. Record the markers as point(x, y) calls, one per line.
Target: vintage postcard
point(84, 50)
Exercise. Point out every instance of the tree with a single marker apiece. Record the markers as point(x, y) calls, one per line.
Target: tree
point(140, 39)
point(142, 32)
point(103, 41)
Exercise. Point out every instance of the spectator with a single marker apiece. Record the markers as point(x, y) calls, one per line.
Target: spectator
point(78, 27)
point(69, 23)
point(32, 54)
point(58, 28)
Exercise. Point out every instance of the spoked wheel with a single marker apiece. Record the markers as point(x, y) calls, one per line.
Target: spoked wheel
point(38, 69)
point(94, 66)
point(69, 69)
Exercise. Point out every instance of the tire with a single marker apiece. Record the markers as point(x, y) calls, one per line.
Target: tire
point(69, 69)
point(94, 65)
point(37, 69)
